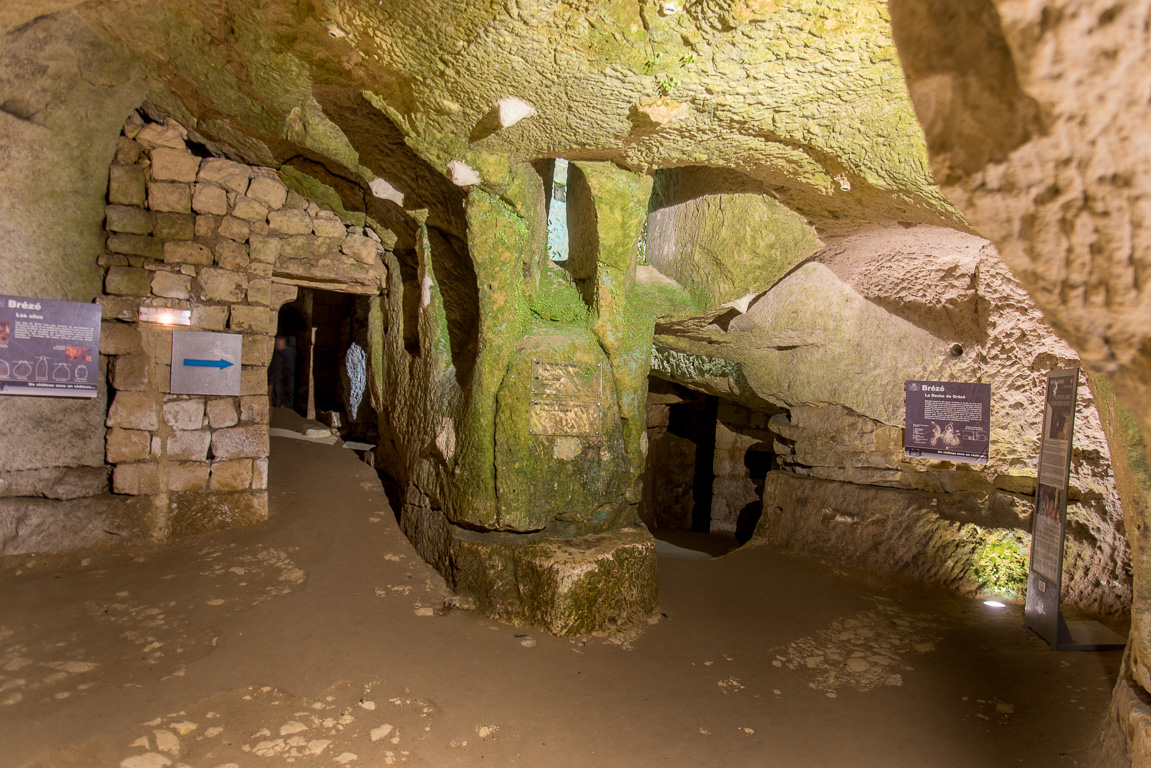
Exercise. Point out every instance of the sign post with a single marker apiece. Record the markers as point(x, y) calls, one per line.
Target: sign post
point(1042, 613)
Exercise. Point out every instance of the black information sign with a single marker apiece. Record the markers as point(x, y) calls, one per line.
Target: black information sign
point(48, 348)
point(1049, 526)
point(948, 420)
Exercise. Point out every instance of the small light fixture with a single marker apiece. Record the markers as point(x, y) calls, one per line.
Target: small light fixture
point(994, 604)
point(165, 316)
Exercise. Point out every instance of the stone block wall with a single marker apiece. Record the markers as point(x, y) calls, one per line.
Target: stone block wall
point(230, 243)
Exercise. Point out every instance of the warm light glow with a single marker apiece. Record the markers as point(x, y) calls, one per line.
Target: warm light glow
point(994, 604)
point(165, 315)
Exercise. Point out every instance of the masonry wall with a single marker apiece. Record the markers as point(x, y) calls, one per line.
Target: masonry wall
point(230, 243)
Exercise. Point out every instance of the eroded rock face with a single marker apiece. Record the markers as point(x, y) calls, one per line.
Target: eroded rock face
point(721, 247)
point(1034, 115)
point(833, 342)
point(709, 86)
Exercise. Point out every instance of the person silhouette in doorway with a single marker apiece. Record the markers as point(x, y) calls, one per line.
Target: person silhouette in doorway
point(282, 373)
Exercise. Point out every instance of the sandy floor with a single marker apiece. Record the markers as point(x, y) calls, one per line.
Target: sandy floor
point(320, 638)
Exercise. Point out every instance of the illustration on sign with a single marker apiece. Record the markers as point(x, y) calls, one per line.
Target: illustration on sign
point(205, 363)
point(48, 348)
point(948, 420)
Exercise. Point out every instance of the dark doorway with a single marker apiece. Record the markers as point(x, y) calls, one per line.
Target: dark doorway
point(330, 330)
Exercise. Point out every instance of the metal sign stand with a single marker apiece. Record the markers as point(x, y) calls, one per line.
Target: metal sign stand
point(1042, 612)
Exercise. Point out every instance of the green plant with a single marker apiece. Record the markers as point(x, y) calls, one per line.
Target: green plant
point(1000, 564)
point(641, 246)
point(667, 84)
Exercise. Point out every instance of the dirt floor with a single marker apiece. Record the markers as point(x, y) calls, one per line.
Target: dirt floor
point(320, 638)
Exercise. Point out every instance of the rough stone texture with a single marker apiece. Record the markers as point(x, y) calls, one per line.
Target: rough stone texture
point(732, 489)
point(810, 339)
point(221, 285)
point(208, 198)
point(566, 586)
point(253, 319)
point(123, 218)
point(119, 339)
point(701, 87)
point(134, 245)
point(171, 285)
point(127, 445)
point(231, 255)
point(42, 525)
point(289, 221)
point(130, 373)
point(668, 493)
point(939, 292)
point(271, 192)
point(70, 432)
point(127, 281)
point(809, 107)
point(174, 226)
point(721, 246)
point(259, 474)
point(196, 513)
point(929, 536)
point(184, 413)
point(1028, 110)
point(170, 164)
point(222, 413)
point(254, 409)
point(169, 197)
point(240, 442)
point(189, 446)
point(186, 253)
point(225, 173)
point(231, 475)
point(127, 185)
point(136, 479)
point(133, 410)
point(188, 476)
point(55, 482)
point(543, 477)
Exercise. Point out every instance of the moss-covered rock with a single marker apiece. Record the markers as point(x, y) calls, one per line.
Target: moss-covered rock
point(722, 246)
point(566, 586)
point(559, 441)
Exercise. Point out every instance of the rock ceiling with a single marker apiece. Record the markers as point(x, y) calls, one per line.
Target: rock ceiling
point(802, 100)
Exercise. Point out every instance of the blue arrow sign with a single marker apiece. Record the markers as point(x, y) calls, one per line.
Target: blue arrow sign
point(193, 362)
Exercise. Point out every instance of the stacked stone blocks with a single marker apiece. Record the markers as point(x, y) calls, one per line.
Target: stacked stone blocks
point(229, 242)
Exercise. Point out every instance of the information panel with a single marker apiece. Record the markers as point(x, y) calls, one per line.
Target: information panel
point(48, 348)
point(566, 399)
point(206, 363)
point(948, 420)
point(1049, 523)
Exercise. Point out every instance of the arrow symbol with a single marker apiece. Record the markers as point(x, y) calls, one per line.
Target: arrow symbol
point(194, 363)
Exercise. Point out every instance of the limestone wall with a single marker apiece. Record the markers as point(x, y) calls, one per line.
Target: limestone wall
point(53, 175)
point(832, 343)
point(230, 243)
point(1035, 116)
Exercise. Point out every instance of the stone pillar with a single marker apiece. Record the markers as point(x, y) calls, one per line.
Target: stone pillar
point(525, 459)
